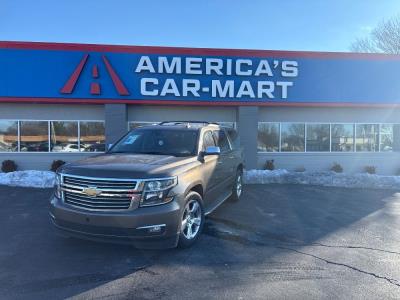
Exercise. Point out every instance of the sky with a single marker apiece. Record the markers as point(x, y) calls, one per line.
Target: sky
point(259, 24)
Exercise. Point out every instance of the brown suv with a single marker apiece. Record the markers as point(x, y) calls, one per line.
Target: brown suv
point(152, 188)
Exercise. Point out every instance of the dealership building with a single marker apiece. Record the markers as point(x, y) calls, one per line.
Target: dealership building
point(304, 110)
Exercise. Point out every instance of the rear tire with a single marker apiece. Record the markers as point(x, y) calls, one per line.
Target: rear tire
point(192, 220)
point(237, 188)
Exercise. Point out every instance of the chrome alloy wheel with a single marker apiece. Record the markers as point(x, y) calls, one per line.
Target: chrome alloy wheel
point(191, 219)
point(239, 185)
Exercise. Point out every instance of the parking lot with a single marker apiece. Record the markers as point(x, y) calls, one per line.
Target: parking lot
point(279, 241)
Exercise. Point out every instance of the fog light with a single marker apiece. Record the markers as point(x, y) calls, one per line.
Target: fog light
point(159, 228)
point(155, 229)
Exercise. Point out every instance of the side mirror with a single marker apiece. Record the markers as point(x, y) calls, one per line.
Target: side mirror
point(212, 150)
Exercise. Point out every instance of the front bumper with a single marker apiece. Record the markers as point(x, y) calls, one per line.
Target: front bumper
point(135, 227)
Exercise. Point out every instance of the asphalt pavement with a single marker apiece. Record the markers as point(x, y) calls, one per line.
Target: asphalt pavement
point(278, 242)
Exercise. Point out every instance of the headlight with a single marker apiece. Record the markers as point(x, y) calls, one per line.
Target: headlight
point(58, 186)
point(155, 192)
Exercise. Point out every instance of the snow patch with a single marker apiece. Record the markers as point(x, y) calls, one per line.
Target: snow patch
point(323, 179)
point(46, 179)
point(37, 179)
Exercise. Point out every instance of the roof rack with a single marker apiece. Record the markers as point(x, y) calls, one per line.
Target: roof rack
point(188, 123)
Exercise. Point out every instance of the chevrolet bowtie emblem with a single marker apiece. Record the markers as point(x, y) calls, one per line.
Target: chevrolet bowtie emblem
point(91, 191)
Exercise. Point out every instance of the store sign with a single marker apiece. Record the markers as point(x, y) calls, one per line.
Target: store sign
point(258, 80)
point(115, 74)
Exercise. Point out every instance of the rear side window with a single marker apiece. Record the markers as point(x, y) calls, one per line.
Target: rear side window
point(222, 140)
point(234, 137)
point(208, 140)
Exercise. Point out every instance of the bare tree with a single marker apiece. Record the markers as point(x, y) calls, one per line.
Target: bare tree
point(385, 38)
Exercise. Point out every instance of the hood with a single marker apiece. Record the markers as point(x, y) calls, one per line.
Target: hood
point(128, 166)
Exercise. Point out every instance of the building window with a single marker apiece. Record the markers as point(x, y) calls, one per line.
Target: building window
point(342, 136)
point(268, 137)
point(8, 136)
point(34, 136)
point(92, 136)
point(292, 137)
point(227, 124)
point(318, 138)
point(386, 139)
point(367, 137)
point(64, 136)
point(134, 125)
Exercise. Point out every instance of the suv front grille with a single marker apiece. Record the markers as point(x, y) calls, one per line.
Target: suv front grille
point(99, 193)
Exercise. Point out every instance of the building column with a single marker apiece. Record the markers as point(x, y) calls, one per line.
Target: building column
point(115, 121)
point(247, 124)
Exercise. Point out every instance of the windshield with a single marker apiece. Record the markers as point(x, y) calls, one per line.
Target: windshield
point(159, 141)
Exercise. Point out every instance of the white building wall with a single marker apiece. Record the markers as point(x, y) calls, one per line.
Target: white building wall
point(181, 113)
point(27, 111)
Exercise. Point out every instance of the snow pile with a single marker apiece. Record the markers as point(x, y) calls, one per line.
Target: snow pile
point(37, 179)
point(323, 179)
point(46, 179)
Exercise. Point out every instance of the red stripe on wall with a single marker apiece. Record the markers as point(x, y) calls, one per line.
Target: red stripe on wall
point(70, 84)
point(190, 103)
point(95, 72)
point(122, 90)
point(95, 88)
point(194, 51)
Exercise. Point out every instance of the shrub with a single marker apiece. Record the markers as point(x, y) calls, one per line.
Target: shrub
point(269, 165)
point(300, 169)
point(56, 164)
point(370, 169)
point(337, 168)
point(9, 166)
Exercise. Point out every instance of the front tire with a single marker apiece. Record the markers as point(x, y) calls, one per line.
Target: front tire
point(192, 220)
point(237, 188)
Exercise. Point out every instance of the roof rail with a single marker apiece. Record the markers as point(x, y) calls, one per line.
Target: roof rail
point(188, 123)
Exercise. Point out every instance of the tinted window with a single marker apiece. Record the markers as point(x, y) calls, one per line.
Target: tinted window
point(64, 136)
point(386, 137)
point(92, 136)
point(34, 136)
point(367, 138)
point(268, 137)
point(342, 137)
point(222, 140)
point(8, 136)
point(158, 141)
point(208, 140)
point(317, 137)
point(292, 137)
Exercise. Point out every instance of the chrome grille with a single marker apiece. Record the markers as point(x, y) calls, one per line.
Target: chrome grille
point(99, 193)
